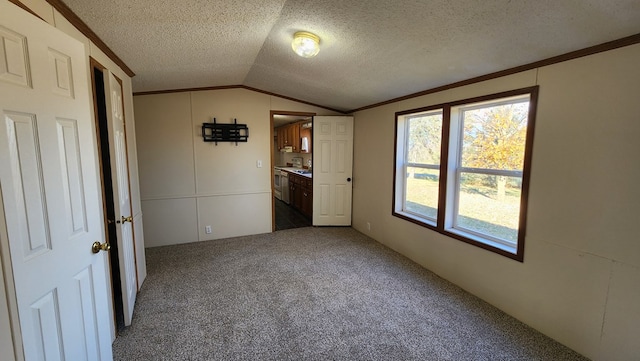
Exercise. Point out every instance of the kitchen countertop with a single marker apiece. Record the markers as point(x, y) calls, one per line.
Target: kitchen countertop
point(294, 171)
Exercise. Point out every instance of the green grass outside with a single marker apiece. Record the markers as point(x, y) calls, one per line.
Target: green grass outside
point(479, 207)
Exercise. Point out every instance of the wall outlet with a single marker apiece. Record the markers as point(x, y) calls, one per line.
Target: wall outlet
point(207, 229)
point(368, 226)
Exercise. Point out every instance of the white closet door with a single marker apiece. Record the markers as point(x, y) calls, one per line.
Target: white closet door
point(51, 191)
point(122, 195)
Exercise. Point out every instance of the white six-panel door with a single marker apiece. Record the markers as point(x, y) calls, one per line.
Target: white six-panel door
point(50, 188)
point(332, 170)
point(122, 196)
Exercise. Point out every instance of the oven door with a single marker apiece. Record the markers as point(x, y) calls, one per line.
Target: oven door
point(284, 186)
point(277, 183)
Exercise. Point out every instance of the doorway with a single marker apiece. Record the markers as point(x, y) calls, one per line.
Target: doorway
point(285, 157)
point(102, 133)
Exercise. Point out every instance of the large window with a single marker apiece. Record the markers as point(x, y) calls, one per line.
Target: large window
point(462, 168)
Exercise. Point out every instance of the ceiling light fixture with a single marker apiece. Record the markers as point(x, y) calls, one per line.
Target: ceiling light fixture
point(305, 44)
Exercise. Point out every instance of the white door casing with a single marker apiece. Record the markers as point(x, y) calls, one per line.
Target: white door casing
point(332, 170)
point(51, 193)
point(122, 195)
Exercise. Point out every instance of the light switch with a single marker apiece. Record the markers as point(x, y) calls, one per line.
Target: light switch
point(259, 163)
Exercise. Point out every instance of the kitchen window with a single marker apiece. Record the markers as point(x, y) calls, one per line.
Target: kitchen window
point(462, 168)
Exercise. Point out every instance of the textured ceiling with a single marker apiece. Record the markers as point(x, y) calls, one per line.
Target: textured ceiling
point(370, 51)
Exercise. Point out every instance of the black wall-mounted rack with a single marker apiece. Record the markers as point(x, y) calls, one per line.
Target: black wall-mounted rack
point(214, 132)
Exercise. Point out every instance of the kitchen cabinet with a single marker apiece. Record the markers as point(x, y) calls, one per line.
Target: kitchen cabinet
point(307, 198)
point(293, 136)
point(295, 191)
point(305, 133)
point(289, 136)
point(281, 135)
point(284, 137)
point(301, 194)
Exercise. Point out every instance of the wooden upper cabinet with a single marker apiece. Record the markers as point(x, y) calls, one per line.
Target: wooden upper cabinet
point(305, 133)
point(281, 134)
point(293, 134)
point(288, 136)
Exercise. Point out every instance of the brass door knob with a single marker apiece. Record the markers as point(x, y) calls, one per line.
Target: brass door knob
point(127, 219)
point(97, 247)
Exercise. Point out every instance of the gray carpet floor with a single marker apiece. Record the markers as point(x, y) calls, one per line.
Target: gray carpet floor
point(314, 294)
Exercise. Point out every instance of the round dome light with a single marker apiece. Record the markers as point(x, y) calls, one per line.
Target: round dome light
point(305, 44)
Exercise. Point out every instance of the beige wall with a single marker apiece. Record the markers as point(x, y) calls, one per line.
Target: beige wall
point(580, 279)
point(187, 184)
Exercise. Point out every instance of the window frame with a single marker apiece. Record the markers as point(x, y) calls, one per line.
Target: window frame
point(447, 204)
point(406, 165)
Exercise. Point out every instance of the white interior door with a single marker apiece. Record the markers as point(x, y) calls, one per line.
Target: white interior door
point(51, 193)
point(122, 195)
point(332, 170)
point(9, 343)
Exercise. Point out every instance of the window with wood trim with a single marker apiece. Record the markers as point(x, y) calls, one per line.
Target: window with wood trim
point(462, 168)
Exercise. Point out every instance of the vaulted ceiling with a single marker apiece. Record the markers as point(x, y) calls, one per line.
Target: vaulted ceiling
point(371, 51)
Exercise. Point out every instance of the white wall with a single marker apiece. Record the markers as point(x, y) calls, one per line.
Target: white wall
point(580, 279)
point(187, 184)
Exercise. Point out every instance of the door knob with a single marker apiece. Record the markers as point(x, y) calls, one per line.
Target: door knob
point(97, 247)
point(348, 179)
point(127, 219)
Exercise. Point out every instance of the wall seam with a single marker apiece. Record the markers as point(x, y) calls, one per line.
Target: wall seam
point(204, 195)
point(195, 168)
point(604, 311)
point(607, 258)
point(193, 145)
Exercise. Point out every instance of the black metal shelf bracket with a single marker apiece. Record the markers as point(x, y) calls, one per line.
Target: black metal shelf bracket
point(214, 132)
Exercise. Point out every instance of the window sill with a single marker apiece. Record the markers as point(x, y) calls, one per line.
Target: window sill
point(416, 219)
point(487, 244)
point(512, 249)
